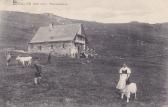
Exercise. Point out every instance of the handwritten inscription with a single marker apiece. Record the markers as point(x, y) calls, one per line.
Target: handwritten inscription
point(39, 2)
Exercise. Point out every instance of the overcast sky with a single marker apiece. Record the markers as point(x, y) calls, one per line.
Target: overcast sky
point(106, 11)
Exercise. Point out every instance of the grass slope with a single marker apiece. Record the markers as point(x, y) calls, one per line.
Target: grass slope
point(69, 82)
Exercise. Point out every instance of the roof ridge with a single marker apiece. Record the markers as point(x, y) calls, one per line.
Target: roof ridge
point(61, 25)
point(59, 32)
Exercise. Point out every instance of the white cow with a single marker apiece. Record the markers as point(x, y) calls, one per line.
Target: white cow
point(24, 60)
point(128, 90)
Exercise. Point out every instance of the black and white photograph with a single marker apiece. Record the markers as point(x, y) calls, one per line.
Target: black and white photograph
point(91, 53)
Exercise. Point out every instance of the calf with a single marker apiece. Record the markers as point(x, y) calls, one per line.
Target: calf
point(128, 90)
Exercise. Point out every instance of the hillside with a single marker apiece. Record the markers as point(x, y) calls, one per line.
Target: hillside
point(127, 39)
point(68, 82)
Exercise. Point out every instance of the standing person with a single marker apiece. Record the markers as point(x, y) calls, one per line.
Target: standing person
point(49, 58)
point(8, 58)
point(124, 72)
point(37, 73)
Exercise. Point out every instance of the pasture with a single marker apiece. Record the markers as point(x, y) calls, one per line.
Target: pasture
point(75, 83)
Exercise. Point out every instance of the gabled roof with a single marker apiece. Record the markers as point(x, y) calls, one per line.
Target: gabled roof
point(57, 33)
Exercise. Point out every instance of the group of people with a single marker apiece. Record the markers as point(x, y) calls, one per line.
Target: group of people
point(124, 72)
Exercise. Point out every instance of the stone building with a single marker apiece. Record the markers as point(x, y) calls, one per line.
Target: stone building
point(62, 40)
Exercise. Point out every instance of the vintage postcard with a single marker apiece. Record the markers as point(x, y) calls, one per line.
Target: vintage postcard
point(90, 53)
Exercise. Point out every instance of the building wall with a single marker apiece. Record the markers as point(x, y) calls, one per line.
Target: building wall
point(80, 42)
point(65, 48)
point(58, 48)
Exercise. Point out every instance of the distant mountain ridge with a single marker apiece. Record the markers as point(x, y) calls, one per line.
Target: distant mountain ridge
point(124, 39)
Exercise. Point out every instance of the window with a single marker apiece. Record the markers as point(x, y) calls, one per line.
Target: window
point(52, 46)
point(63, 45)
point(31, 46)
point(39, 47)
point(51, 37)
point(80, 38)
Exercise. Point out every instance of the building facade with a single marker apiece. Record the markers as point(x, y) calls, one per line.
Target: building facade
point(61, 40)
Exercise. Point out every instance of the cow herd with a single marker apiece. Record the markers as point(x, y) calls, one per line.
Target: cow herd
point(23, 60)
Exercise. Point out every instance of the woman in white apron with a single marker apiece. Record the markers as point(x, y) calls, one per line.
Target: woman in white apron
point(124, 76)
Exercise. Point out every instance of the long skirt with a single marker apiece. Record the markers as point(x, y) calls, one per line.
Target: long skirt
point(122, 81)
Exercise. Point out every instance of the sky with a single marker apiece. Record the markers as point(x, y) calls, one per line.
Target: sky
point(105, 11)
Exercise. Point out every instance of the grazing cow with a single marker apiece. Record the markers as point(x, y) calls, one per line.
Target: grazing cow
point(128, 90)
point(24, 60)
